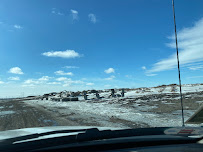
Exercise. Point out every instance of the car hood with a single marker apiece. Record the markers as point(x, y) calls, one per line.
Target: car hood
point(28, 131)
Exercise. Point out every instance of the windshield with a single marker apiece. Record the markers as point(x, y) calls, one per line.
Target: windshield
point(100, 63)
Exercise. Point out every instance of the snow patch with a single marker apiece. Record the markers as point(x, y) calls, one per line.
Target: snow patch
point(6, 112)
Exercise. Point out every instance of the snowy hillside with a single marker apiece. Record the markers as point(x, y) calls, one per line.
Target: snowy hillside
point(164, 89)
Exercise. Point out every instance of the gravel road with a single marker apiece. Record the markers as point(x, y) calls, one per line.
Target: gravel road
point(16, 115)
point(22, 114)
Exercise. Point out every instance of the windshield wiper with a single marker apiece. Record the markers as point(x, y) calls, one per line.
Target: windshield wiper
point(92, 134)
point(95, 134)
point(37, 135)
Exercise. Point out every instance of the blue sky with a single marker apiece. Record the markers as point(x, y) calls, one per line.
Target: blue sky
point(55, 45)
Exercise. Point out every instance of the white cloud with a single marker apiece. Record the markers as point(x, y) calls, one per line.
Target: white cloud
point(59, 13)
point(62, 54)
point(16, 70)
point(14, 78)
point(68, 81)
point(44, 78)
point(150, 74)
point(74, 15)
point(54, 83)
point(190, 45)
point(56, 11)
point(110, 78)
point(92, 18)
point(62, 79)
point(67, 85)
point(1, 82)
point(28, 85)
point(199, 67)
point(71, 67)
point(144, 68)
point(17, 26)
point(31, 81)
point(63, 73)
point(77, 81)
point(194, 77)
point(109, 70)
point(89, 84)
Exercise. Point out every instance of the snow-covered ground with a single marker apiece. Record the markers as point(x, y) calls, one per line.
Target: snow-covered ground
point(113, 110)
point(154, 107)
point(2, 113)
point(5, 112)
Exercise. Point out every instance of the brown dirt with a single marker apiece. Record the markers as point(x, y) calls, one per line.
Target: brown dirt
point(26, 116)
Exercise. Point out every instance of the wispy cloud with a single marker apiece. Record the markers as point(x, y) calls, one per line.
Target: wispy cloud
point(53, 10)
point(63, 73)
point(71, 67)
point(36, 82)
point(16, 70)
point(109, 70)
point(110, 78)
point(14, 78)
point(144, 68)
point(92, 18)
point(190, 45)
point(62, 79)
point(11, 27)
point(150, 74)
point(55, 83)
point(56, 11)
point(62, 54)
point(196, 67)
point(74, 15)
point(68, 81)
point(128, 76)
point(17, 26)
point(44, 78)
point(31, 81)
point(89, 84)
point(1, 82)
point(59, 13)
point(28, 85)
point(194, 77)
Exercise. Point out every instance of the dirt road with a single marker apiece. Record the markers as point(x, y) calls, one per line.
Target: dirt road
point(19, 114)
point(16, 115)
